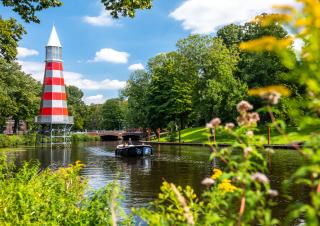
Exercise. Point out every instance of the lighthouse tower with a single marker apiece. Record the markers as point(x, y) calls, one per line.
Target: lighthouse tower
point(53, 121)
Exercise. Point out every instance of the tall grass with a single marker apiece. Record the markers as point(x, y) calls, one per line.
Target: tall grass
point(17, 140)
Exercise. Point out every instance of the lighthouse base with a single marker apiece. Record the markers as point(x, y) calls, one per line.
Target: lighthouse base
point(53, 134)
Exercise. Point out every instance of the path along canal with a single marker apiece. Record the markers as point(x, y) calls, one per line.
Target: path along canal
point(142, 177)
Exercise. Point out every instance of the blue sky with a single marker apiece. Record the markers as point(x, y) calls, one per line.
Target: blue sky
point(100, 53)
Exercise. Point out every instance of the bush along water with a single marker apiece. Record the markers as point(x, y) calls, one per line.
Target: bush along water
point(84, 137)
point(32, 196)
point(30, 139)
point(17, 140)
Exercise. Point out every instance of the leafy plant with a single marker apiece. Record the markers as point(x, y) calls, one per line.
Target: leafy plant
point(32, 196)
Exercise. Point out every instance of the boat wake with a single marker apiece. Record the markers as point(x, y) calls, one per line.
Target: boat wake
point(99, 152)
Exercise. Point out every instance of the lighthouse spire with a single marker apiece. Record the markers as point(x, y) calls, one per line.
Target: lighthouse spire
point(54, 39)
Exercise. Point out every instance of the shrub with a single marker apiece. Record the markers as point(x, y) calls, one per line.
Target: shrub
point(16, 140)
point(32, 196)
point(84, 137)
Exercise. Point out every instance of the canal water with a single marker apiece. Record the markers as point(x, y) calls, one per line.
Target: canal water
point(142, 177)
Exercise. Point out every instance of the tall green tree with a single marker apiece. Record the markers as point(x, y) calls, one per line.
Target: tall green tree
point(76, 106)
point(113, 114)
point(170, 93)
point(136, 91)
point(93, 117)
point(20, 94)
point(215, 66)
point(256, 69)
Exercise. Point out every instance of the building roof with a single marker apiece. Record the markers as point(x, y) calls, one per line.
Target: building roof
point(54, 39)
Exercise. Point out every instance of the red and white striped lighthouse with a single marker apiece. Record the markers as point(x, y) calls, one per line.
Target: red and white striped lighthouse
point(53, 109)
point(53, 112)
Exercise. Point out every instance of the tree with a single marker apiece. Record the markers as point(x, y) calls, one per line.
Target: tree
point(10, 34)
point(93, 117)
point(259, 69)
point(231, 35)
point(76, 106)
point(20, 94)
point(113, 112)
point(215, 66)
point(27, 9)
point(124, 7)
point(256, 69)
point(136, 91)
point(170, 93)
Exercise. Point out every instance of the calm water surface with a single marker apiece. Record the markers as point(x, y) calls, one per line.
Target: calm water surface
point(142, 177)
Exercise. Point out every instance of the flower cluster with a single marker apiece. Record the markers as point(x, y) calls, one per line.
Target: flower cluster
point(246, 118)
point(207, 181)
point(229, 126)
point(260, 177)
point(226, 186)
point(213, 123)
point(216, 174)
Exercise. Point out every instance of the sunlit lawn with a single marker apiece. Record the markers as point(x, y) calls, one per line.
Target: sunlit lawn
point(200, 135)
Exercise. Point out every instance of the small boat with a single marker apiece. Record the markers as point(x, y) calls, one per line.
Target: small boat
point(134, 150)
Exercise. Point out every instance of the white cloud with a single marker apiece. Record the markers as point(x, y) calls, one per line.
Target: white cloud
point(111, 55)
point(36, 69)
point(134, 67)
point(25, 52)
point(97, 99)
point(103, 19)
point(206, 16)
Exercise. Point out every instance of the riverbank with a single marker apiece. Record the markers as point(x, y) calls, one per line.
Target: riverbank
point(7, 141)
point(200, 135)
point(293, 146)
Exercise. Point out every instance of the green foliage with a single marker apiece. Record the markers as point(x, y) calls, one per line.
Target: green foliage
point(27, 9)
point(113, 114)
point(124, 7)
point(17, 140)
point(172, 131)
point(32, 196)
point(181, 207)
point(84, 137)
point(170, 92)
point(137, 92)
point(10, 34)
point(76, 106)
point(216, 87)
point(20, 97)
point(93, 117)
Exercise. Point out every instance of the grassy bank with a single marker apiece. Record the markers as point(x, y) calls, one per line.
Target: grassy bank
point(17, 140)
point(82, 137)
point(7, 141)
point(201, 135)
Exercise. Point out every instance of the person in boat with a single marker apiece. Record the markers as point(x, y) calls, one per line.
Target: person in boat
point(130, 141)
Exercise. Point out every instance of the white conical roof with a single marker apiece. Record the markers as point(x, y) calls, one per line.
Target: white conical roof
point(54, 39)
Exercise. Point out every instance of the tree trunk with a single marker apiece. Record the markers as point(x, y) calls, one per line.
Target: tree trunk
point(180, 129)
